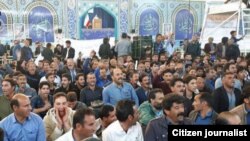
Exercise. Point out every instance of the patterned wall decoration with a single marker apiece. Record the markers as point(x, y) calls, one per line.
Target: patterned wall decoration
point(185, 21)
point(40, 18)
point(124, 15)
point(149, 19)
point(6, 20)
point(71, 18)
point(149, 22)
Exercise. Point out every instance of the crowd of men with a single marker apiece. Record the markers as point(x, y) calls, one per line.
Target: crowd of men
point(113, 98)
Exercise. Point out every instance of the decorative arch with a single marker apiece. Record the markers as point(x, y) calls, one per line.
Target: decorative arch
point(82, 15)
point(154, 15)
point(184, 19)
point(7, 22)
point(41, 26)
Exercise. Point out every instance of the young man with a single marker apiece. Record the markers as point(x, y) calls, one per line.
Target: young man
point(126, 127)
point(83, 126)
point(22, 124)
point(58, 119)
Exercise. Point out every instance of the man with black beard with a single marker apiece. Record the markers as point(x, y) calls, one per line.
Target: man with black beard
point(152, 108)
point(173, 109)
point(79, 84)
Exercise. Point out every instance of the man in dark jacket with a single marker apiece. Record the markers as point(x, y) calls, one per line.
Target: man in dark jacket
point(68, 52)
point(173, 109)
point(26, 52)
point(104, 50)
point(47, 53)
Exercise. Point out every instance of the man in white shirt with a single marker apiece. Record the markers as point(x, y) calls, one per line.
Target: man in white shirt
point(83, 126)
point(126, 128)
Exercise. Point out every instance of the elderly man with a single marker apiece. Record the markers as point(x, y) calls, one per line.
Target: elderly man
point(22, 125)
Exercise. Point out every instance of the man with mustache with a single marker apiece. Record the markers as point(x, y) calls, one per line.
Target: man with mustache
point(8, 88)
point(143, 91)
point(22, 87)
point(59, 119)
point(173, 109)
point(152, 108)
point(118, 90)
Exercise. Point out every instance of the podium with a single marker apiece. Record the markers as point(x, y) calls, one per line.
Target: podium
point(97, 23)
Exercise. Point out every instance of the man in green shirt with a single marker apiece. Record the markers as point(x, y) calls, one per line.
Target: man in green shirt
point(8, 87)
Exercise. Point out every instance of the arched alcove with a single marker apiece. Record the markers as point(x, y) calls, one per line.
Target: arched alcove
point(108, 25)
point(41, 19)
point(6, 19)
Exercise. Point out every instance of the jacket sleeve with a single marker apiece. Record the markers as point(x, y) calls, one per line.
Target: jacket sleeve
point(150, 133)
point(52, 131)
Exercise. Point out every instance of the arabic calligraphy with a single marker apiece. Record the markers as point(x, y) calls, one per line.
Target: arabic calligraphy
point(149, 22)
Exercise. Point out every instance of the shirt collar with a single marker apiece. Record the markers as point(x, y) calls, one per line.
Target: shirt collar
point(208, 115)
point(14, 120)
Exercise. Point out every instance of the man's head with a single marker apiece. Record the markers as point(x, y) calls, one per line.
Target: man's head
point(117, 76)
point(21, 80)
point(107, 114)
point(127, 112)
point(202, 101)
point(246, 97)
point(68, 43)
point(66, 80)
point(50, 77)
point(144, 80)
point(228, 80)
point(167, 76)
point(20, 104)
point(44, 89)
point(31, 67)
point(8, 87)
point(230, 67)
point(200, 81)
point(70, 64)
point(60, 103)
point(173, 106)
point(84, 123)
point(91, 79)
point(155, 97)
point(103, 73)
point(134, 77)
point(190, 83)
point(177, 86)
point(228, 118)
point(80, 80)
point(72, 99)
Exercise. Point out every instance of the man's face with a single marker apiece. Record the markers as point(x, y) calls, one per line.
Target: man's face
point(156, 103)
point(7, 88)
point(60, 104)
point(65, 82)
point(32, 68)
point(178, 88)
point(117, 76)
point(24, 108)
point(103, 73)
point(200, 83)
point(22, 81)
point(67, 45)
point(88, 128)
point(135, 116)
point(111, 118)
point(228, 80)
point(168, 77)
point(155, 58)
point(141, 67)
point(192, 85)
point(46, 66)
point(70, 64)
point(135, 78)
point(51, 78)
point(197, 103)
point(81, 80)
point(176, 112)
point(212, 74)
point(72, 104)
point(113, 62)
point(44, 91)
point(91, 80)
point(233, 69)
point(145, 82)
point(155, 68)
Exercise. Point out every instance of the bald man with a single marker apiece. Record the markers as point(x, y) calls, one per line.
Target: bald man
point(22, 124)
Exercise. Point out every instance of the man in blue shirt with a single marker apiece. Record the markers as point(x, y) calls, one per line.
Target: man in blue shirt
point(22, 125)
point(118, 90)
